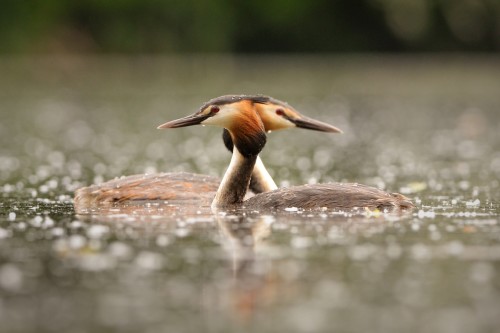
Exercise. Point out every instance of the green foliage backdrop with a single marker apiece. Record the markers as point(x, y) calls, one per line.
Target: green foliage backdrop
point(249, 26)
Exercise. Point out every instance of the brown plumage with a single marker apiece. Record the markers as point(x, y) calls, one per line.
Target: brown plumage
point(173, 187)
point(247, 123)
point(337, 196)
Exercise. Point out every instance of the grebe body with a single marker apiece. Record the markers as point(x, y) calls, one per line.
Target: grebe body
point(336, 196)
point(175, 187)
point(248, 135)
point(198, 189)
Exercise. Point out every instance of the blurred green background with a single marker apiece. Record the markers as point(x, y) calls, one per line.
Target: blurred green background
point(269, 26)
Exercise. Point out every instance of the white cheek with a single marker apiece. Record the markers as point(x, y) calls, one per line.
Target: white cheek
point(282, 123)
point(276, 122)
point(222, 119)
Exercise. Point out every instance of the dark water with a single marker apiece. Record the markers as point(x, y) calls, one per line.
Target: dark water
point(425, 127)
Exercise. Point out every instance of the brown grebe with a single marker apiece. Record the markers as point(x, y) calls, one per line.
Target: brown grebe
point(242, 120)
point(181, 187)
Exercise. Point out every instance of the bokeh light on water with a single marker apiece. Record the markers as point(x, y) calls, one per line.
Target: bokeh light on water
point(430, 130)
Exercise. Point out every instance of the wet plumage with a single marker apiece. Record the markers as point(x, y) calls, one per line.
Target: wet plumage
point(172, 187)
point(337, 196)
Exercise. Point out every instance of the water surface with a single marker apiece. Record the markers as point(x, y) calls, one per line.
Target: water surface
point(426, 127)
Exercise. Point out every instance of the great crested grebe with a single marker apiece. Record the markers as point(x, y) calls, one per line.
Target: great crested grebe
point(182, 186)
point(242, 121)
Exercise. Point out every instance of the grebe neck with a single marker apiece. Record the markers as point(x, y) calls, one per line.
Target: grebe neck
point(234, 184)
point(248, 135)
point(261, 180)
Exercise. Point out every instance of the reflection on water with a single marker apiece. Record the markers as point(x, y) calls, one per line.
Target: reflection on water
point(155, 267)
point(303, 271)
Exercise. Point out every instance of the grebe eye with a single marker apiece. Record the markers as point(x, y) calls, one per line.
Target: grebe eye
point(214, 109)
point(280, 112)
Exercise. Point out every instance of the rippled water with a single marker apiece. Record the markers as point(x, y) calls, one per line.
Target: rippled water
point(428, 128)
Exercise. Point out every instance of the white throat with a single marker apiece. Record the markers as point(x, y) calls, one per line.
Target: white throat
point(263, 177)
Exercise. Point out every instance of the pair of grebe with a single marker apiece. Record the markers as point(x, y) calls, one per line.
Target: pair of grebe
point(245, 120)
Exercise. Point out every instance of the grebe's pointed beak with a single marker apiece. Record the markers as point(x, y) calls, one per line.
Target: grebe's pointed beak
point(191, 120)
point(313, 124)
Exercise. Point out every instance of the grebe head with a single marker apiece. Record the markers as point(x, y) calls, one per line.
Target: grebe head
point(235, 113)
point(275, 114)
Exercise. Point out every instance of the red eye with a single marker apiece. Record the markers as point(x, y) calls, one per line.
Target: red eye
point(280, 112)
point(214, 109)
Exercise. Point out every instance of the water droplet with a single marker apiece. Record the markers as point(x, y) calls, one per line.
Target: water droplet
point(97, 231)
point(120, 250)
point(472, 204)
point(162, 240)
point(76, 242)
point(300, 242)
point(4, 233)
point(11, 277)
point(454, 248)
point(149, 260)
